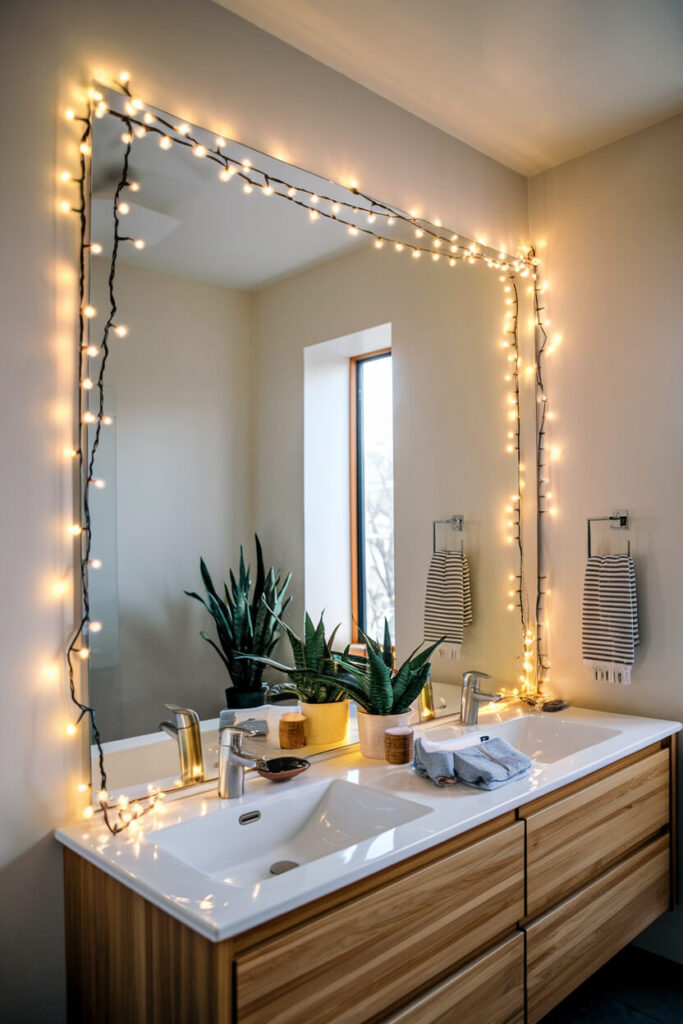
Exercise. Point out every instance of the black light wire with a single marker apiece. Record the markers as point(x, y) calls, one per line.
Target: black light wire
point(87, 464)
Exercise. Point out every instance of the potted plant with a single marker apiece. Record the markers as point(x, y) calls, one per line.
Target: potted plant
point(246, 623)
point(315, 681)
point(384, 697)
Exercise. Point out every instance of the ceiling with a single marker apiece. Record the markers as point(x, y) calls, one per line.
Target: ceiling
point(532, 83)
point(198, 227)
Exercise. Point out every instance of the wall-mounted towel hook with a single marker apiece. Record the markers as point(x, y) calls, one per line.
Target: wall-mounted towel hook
point(455, 522)
point(617, 521)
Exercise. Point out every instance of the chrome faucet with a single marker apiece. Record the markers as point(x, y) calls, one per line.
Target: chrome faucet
point(185, 729)
point(472, 697)
point(233, 761)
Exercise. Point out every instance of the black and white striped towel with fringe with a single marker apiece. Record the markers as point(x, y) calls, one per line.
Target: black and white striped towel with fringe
point(448, 601)
point(610, 617)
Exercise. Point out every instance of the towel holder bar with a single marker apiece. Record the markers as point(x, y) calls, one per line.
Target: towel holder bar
point(455, 522)
point(617, 521)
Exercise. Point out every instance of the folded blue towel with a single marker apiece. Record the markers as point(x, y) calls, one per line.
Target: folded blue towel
point(487, 765)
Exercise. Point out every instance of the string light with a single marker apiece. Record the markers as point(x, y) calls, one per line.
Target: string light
point(136, 124)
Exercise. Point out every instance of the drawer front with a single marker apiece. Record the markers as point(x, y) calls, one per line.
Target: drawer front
point(577, 838)
point(489, 989)
point(569, 943)
point(354, 963)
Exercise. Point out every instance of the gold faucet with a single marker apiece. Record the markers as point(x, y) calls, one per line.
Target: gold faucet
point(185, 729)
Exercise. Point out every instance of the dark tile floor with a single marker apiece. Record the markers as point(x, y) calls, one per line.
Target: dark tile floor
point(635, 987)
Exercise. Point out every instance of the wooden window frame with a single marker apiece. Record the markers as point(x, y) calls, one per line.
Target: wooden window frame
point(354, 498)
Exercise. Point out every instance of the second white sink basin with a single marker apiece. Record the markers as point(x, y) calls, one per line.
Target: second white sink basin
point(239, 843)
point(542, 737)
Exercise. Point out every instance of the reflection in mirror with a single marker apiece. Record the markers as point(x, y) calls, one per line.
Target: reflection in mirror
point(274, 374)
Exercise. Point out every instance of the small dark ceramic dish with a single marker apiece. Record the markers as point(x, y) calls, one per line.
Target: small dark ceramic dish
point(279, 769)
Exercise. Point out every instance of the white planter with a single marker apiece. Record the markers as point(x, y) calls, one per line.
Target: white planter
point(326, 724)
point(371, 729)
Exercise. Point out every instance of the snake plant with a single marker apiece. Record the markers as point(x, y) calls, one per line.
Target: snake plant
point(246, 622)
point(316, 671)
point(372, 682)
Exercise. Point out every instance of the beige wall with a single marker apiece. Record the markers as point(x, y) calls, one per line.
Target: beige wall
point(179, 387)
point(193, 58)
point(450, 429)
point(613, 221)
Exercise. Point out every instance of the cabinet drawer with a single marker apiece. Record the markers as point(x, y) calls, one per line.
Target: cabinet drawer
point(570, 942)
point(489, 989)
point(578, 837)
point(354, 963)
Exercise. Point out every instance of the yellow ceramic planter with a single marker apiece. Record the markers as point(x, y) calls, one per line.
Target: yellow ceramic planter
point(325, 723)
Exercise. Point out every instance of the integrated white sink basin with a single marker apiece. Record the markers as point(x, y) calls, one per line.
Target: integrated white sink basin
point(239, 842)
point(542, 737)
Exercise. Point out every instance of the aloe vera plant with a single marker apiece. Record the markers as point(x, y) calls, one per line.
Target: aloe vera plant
point(316, 670)
point(374, 685)
point(246, 622)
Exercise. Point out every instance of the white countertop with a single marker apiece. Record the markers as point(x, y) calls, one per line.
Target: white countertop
point(220, 909)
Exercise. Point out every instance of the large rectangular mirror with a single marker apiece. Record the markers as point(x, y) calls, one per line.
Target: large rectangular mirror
point(292, 360)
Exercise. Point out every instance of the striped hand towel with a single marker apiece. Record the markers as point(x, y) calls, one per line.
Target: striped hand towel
point(610, 617)
point(448, 601)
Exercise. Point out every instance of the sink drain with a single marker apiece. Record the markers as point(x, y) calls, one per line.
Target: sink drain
point(280, 866)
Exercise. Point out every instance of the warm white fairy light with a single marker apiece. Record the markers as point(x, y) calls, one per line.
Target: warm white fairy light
point(459, 252)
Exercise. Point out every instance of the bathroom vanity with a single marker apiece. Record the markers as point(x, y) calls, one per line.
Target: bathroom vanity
point(411, 903)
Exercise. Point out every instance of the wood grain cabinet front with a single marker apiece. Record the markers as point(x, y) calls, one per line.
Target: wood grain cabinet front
point(571, 839)
point(431, 940)
point(570, 942)
point(490, 990)
point(354, 964)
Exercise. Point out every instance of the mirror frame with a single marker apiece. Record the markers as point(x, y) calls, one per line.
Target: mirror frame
point(138, 120)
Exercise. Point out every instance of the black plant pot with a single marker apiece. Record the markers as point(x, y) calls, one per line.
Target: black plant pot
point(245, 698)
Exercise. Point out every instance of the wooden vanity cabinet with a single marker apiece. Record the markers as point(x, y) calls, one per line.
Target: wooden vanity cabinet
point(599, 869)
point(495, 926)
point(375, 951)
